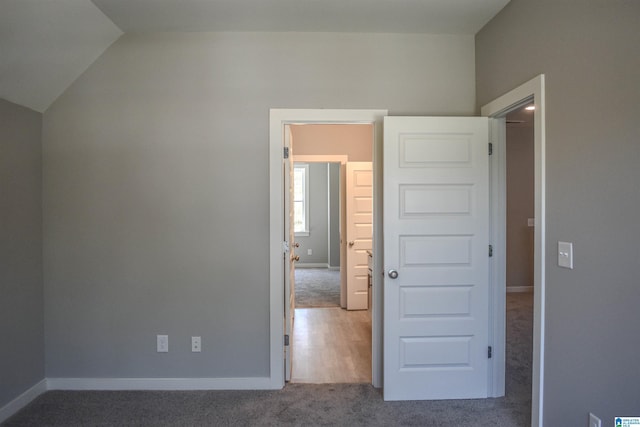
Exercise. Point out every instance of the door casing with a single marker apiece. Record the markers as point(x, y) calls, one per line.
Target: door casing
point(278, 119)
point(496, 110)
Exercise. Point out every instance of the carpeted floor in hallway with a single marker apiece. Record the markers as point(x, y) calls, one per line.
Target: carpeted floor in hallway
point(317, 287)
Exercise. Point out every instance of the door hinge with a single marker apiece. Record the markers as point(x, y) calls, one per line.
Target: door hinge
point(285, 247)
point(490, 352)
point(285, 152)
point(286, 340)
point(490, 251)
point(490, 148)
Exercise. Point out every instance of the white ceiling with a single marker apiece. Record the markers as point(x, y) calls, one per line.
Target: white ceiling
point(46, 44)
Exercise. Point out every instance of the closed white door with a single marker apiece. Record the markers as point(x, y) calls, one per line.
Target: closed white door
point(436, 237)
point(359, 232)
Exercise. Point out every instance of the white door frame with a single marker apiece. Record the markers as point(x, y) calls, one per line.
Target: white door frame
point(497, 110)
point(278, 119)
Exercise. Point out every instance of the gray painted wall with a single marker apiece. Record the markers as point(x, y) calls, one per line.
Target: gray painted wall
point(520, 205)
point(589, 54)
point(318, 238)
point(334, 214)
point(156, 196)
point(21, 297)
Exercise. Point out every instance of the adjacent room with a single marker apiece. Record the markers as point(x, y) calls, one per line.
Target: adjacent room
point(331, 341)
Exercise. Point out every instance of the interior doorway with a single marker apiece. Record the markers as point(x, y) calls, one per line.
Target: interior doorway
point(328, 343)
point(532, 91)
point(334, 255)
point(279, 249)
point(520, 225)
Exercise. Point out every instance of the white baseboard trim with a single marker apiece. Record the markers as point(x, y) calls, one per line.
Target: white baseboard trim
point(519, 289)
point(332, 268)
point(23, 400)
point(159, 383)
point(311, 265)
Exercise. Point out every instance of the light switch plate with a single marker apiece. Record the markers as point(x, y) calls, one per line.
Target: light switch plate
point(594, 421)
point(565, 254)
point(531, 222)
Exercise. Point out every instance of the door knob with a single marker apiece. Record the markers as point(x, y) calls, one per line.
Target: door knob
point(296, 244)
point(393, 274)
point(351, 243)
point(295, 258)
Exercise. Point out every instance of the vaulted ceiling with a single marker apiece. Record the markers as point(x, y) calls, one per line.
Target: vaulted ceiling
point(46, 44)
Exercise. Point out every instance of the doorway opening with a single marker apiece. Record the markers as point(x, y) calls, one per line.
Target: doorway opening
point(319, 271)
point(520, 222)
point(331, 326)
point(531, 92)
point(279, 248)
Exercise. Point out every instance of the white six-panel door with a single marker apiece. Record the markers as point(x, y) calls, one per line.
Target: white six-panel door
point(436, 228)
point(359, 232)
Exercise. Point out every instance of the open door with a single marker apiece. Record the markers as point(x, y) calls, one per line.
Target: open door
point(436, 257)
point(359, 211)
point(289, 256)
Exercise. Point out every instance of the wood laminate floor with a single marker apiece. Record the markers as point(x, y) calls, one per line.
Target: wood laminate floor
point(331, 345)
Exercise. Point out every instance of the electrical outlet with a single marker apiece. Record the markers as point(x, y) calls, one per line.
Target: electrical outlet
point(196, 344)
point(594, 421)
point(309, 251)
point(162, 343)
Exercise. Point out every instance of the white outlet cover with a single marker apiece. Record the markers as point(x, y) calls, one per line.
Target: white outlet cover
point(196, 344)
point(565, 254)
point(162, 343)
point(309, 251)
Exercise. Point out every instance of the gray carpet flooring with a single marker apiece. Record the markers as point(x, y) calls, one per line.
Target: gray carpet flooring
point(298, 404)
point(317, 287)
